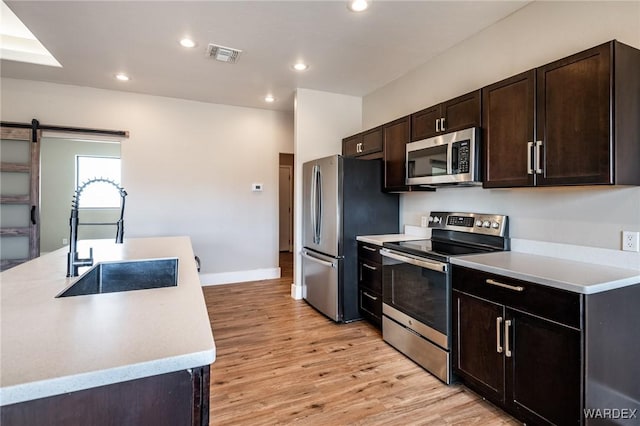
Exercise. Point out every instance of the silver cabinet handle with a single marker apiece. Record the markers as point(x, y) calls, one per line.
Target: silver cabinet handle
point(370, 296)
point(442, 124)
point(529, 160)
point(507, 286)
point(372, 268)
point(437, 122)
point(507, 351)
point(498, 327)
point(369, 248)
point(538, 151)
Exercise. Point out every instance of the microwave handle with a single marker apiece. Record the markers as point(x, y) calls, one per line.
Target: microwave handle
point(450, 159)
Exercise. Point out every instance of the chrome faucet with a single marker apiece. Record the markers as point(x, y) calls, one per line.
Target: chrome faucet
point(73, 261)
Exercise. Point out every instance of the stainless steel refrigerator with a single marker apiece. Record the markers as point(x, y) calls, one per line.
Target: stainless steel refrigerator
point(342, 198)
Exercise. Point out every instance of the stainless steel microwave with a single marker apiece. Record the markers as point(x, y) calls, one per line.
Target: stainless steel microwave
point(452, 158)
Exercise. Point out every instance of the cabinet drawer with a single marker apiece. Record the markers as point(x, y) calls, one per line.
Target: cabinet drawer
point(556, 305)
point(369, 252)
point(370, 305)
point(370, 275)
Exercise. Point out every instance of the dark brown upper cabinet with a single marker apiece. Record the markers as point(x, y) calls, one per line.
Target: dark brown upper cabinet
point(367, 144)
point(508, 113)
point(395, 136)
point(456, 114)
point(571, 122)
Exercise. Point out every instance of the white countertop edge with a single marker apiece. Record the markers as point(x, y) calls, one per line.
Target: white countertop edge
point(563, 285)
point(61, 385)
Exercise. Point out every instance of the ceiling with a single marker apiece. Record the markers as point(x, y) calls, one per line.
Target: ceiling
point(348, 53)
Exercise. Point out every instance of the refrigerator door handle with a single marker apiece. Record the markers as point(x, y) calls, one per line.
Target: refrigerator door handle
point(313, 203)
point(313, 258)
point(319, 206)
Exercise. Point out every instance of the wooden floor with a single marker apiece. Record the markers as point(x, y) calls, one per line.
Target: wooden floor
point(279, 361)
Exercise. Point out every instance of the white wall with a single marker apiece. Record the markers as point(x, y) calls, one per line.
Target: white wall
point(187, 167)
point(321, 121)
point(537, 34)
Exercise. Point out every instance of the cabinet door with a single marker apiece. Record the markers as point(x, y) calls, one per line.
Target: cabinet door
point(372, 141)
point(573, 119)
point(477, 344)
point(395, 137)
point(350, 145)
point(462, 112)
point(544, 370)
point(508, 126)
point(423, 123)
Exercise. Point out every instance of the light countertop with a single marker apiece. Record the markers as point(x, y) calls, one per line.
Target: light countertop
point(380, 239)
point(578, 277)
point(52, 346)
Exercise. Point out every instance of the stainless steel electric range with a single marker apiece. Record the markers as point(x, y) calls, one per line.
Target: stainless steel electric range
point(417, 284)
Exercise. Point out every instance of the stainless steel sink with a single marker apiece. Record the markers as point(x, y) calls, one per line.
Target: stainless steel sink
point(111, 277)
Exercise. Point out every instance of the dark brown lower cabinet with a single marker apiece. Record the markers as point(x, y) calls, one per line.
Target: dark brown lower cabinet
point(544, 370)
point(172, 399)
point(370, 283)
point(545, 355)
point(514, 359)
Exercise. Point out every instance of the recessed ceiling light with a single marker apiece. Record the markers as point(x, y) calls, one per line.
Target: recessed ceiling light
point(358, 5)
point(269, 98)
point(122, 77)
point(187, 42)
point(300, 66)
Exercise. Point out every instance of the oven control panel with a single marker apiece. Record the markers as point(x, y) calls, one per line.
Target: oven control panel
point(479, 223)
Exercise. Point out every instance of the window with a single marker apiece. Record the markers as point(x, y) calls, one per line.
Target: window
point(100, 194)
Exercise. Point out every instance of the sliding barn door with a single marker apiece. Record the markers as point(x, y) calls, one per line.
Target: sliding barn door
point(19, 195)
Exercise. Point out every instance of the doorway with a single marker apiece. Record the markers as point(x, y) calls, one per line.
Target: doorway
point(66, 162)
point(285, 202)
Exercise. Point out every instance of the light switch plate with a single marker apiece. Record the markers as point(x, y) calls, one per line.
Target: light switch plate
point(256, 187)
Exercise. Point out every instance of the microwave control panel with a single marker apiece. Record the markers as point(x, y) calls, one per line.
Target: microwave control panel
point(461, 153)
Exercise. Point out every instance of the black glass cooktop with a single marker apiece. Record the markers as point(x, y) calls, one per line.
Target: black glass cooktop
point(433, 249)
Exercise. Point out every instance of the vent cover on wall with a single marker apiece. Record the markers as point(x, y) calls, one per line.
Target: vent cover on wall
point(223, 54)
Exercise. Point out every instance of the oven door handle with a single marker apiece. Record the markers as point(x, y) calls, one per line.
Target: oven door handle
point(423, 263)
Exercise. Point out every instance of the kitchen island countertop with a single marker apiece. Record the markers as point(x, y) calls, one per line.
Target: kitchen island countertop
point(570, 275)
point(52, 346)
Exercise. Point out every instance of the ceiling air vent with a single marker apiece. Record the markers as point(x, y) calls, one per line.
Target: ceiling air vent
point(223, 54)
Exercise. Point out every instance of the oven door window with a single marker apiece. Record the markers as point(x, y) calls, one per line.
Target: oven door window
point(418, 292)
point(427, 162)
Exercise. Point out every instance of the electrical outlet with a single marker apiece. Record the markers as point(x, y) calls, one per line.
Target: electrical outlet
point(65, 241)
point(630, 241)
point(423, 221)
